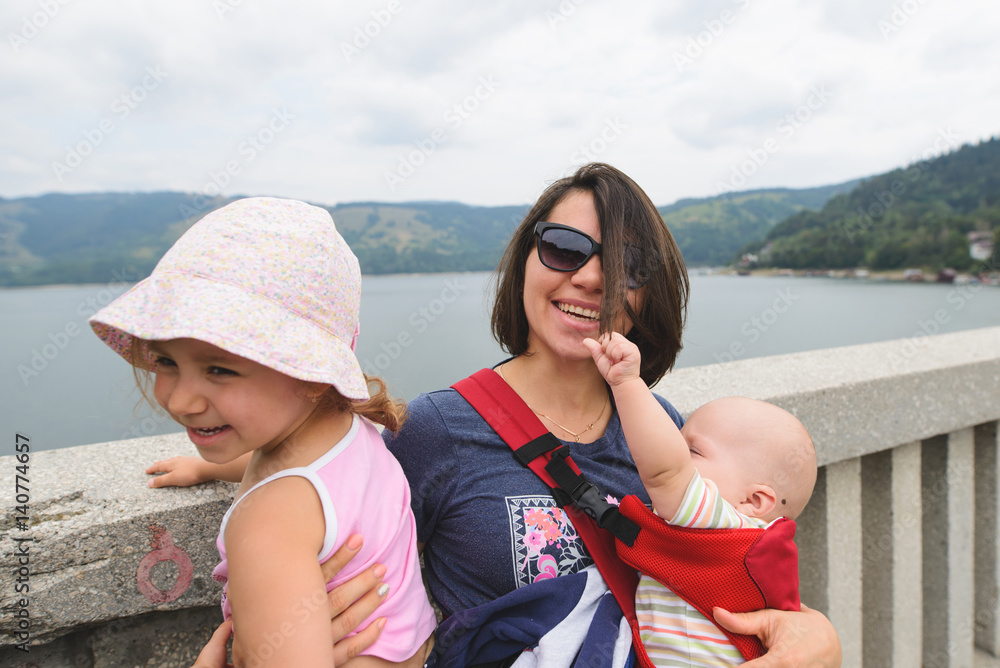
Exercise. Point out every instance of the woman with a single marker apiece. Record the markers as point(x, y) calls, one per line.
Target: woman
point(593, 255)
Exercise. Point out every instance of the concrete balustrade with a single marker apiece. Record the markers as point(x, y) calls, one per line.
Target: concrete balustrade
point(899, 546)
point(987, 534)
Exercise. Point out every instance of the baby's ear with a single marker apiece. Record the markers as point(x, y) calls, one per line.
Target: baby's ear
point(762, 502)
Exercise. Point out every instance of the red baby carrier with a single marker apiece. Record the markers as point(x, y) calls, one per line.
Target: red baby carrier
point(737, 569)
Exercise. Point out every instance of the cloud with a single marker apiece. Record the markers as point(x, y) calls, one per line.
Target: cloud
point(368, 83)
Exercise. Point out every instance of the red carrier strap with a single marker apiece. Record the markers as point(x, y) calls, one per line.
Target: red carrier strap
point(501, 407)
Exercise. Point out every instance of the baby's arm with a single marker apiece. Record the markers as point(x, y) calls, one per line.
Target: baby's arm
point(660, 452)
point(187, 471)
point(276, 587)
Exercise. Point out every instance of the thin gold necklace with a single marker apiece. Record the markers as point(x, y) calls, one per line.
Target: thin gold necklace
point(576, 435)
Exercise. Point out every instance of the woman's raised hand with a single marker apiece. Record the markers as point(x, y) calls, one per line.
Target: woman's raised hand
point(803, 639)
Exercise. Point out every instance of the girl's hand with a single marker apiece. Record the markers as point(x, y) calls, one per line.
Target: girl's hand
point(354, 601)
point(187, 471)
point(178, 472)
point(803, 639)
point(616, 357)
point(214, 653)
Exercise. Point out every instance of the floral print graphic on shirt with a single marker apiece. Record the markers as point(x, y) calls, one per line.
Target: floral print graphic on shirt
point(545, 542)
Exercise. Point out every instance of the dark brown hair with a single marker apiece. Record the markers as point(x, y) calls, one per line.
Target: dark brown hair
point(381, 407)
point(627, 217)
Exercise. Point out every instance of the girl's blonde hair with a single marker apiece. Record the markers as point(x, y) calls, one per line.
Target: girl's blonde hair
point(381, 407)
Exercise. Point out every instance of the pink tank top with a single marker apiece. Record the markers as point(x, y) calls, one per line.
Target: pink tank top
point(363, 490)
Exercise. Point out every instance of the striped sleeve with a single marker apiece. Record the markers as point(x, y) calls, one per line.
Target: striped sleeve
point(703, 508)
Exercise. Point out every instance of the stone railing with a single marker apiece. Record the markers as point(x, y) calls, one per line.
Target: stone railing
point(899, 544)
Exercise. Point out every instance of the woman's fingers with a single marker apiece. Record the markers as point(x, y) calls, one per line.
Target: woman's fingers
point(347, 649)
point(341, 557)
point(744, 623)
point(792, 639)
point(355, 600)
point(213, 655)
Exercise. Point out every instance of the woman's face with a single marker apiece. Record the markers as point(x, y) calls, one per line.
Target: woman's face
point(563, 308)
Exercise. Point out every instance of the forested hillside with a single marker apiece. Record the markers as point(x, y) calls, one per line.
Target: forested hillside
point(96, 238)
point(711, 231)
point(919, 216)
point(914, 216)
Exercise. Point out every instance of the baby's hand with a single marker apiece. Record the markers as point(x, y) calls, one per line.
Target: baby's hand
point(616, 357)
point(178, 472)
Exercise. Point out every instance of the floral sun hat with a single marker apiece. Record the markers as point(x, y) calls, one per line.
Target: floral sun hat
point(267, 279)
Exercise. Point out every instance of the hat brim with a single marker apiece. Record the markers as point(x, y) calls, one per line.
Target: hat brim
point(175, 305)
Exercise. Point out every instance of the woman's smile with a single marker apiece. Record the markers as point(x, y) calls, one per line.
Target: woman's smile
point(580, 312)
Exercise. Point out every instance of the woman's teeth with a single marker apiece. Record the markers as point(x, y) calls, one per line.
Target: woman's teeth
point(579, 312)
point(211, 431)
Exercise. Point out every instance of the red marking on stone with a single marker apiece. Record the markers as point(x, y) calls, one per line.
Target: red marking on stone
point(163, 550)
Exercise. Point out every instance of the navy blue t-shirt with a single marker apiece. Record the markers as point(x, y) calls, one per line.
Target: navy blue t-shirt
point(490, 525)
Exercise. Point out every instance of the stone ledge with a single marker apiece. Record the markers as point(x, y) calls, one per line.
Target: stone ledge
point(170, 639)
point(104, 545)
point(95, 522)
point(858, 400)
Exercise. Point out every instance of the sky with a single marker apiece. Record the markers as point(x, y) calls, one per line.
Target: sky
point(484, 103)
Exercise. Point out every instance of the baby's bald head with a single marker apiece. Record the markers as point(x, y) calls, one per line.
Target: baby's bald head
point(749, 442)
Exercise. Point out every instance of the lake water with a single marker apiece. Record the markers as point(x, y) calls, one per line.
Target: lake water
point(63, 387)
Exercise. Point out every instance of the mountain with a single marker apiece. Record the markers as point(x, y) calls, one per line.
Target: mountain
point(96, 238)
point(100, 237)
point(711, 231)
point(91, 238)
point(426, 236)
point(915, 216)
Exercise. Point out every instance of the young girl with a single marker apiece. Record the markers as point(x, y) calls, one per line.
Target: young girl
point(249, 324)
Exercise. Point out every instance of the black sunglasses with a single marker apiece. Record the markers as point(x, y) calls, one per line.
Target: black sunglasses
point(565, 248)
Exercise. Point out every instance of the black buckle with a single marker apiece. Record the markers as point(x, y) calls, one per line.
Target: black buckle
point(573, 488)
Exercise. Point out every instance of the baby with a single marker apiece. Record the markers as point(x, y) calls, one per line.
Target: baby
point(737, 463)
